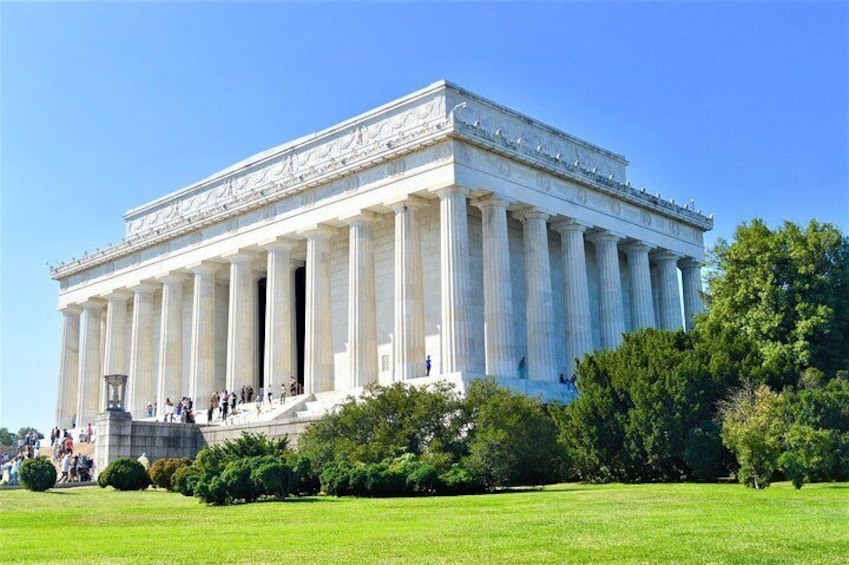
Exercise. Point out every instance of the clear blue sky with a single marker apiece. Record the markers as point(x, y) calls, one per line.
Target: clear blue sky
point(107, 106)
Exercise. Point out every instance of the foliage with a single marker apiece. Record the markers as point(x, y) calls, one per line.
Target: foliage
point(7, 437)
point(27, 429)
point(124, 474)
point(162, 471)
point(183, 481)
point(704, 453)
point(388, 421)
point(751, 428)
point(641, 403)
point(38, 474)
point(788, 290)
point(808, 454)
point(458, 480)
point(511, 439)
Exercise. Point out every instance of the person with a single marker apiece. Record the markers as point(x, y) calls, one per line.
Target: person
point(427, 366)
point(150, 409)
point(89, 433)
point(282, 393)
point(270, 395)
point(562, 379)
point(293, 385)
point(522, 374)
point(210, 411)
point(145, 462)
point(258, 404)
point(224, 406)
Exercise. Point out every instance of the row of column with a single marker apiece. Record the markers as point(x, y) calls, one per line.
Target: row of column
point(81, 371)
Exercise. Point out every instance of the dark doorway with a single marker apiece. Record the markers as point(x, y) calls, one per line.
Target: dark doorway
point(300, 318)
point(261, 331)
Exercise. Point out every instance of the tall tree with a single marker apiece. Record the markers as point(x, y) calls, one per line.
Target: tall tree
point(788, 289)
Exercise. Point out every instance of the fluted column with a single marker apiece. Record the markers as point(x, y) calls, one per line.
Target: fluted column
point(202, 351)
point(691, 279)
point(170, 383)
point(499, 323)
point(91, 374)
point(278, 314)
point(114, 359)
point(542, 352)
point(455, 281)
point(142, 383)
point(408, 341)
point(318, 359)
point(241, 328)
point(579, 327)
point(639, 272)
point(611, 310)
point(69, 367)
point(670, 297)
point(362, 320)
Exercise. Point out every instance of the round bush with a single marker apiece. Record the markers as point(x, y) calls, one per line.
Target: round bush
point(38, 474)
point(163, 470)
point(183, 480)
point(272, 476)
point(424, 480)
point(237, 479)
point(124, 474)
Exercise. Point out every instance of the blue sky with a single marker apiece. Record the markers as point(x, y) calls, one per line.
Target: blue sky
point(742, 106)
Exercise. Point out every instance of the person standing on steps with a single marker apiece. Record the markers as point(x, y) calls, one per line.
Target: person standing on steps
point(428, 365)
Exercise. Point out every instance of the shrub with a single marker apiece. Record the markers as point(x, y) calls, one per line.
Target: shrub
point(38, 474)
point(238, 482)
point(460, 481)
point(124, 474)
point(335, 479)
point(272, 476)
point(183, 480)
point(809, 454)
point(304, 480)
point(163, 470)
point(424, 480)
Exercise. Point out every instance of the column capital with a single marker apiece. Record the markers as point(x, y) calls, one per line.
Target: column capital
point(665, 255)
point(637, 247)
point(173, 278)
point(604, 236)
point(93, 304)
point(407, 201)
point(447, 191)
point(240, 256)
point(280, 243)
point(119, 295)
point(318, 231)
point(690, 262)
point(71, 309)
point(491, 201)
point(144, 287)
point(360, 216)
point(526, 214)
point(204, 268)
point(568, 224)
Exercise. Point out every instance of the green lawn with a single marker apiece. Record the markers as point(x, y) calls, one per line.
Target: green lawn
point(560, 524)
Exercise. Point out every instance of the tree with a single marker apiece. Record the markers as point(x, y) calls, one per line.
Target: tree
point(788, 289)
point(752, 428)
point(7, 437)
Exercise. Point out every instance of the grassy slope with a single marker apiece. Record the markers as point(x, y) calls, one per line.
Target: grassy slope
point(566, 523)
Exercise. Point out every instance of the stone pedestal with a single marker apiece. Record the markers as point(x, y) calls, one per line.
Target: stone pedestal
point(114, 437)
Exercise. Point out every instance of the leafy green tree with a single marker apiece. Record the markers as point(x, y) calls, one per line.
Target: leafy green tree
point(25, 430)
point(7, 437)
point(752, 428)
point(788, 289)
point(808, 454)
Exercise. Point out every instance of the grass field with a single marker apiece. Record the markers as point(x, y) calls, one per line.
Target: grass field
point(684, 523)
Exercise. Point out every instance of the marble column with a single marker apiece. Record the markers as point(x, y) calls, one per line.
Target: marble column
point(202, 351)
point(455, 281)
point(499, 324)
point(318, 355)
point(579, 326)
point(611, 310)
point(668, 293)
point(91, 374)
point(278, 315)
point(542, 348)
point(639, 272)
point(69, 366)
point(362, 318)
point(691, 279)
point(170, 382)
point(241, 322)
point(114, 358)
point(408, 340)
point(142, 382)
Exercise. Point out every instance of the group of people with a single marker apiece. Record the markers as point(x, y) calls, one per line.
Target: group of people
point(181, 411)
point(223, 404)
point(75, 469)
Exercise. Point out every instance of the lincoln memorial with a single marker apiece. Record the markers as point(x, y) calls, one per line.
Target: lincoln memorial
point(441, 224)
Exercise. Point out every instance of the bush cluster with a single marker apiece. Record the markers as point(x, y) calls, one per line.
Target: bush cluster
point(124, 474)
point(406, 475)
point(162, 471)
point(244, 470)
point(38, 474)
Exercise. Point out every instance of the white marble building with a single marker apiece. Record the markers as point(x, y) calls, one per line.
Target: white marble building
point(440, 224)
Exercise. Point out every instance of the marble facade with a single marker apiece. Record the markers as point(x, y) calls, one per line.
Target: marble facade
point(440, 224)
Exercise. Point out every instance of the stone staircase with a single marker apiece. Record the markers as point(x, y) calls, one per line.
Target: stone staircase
point(325, 402)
